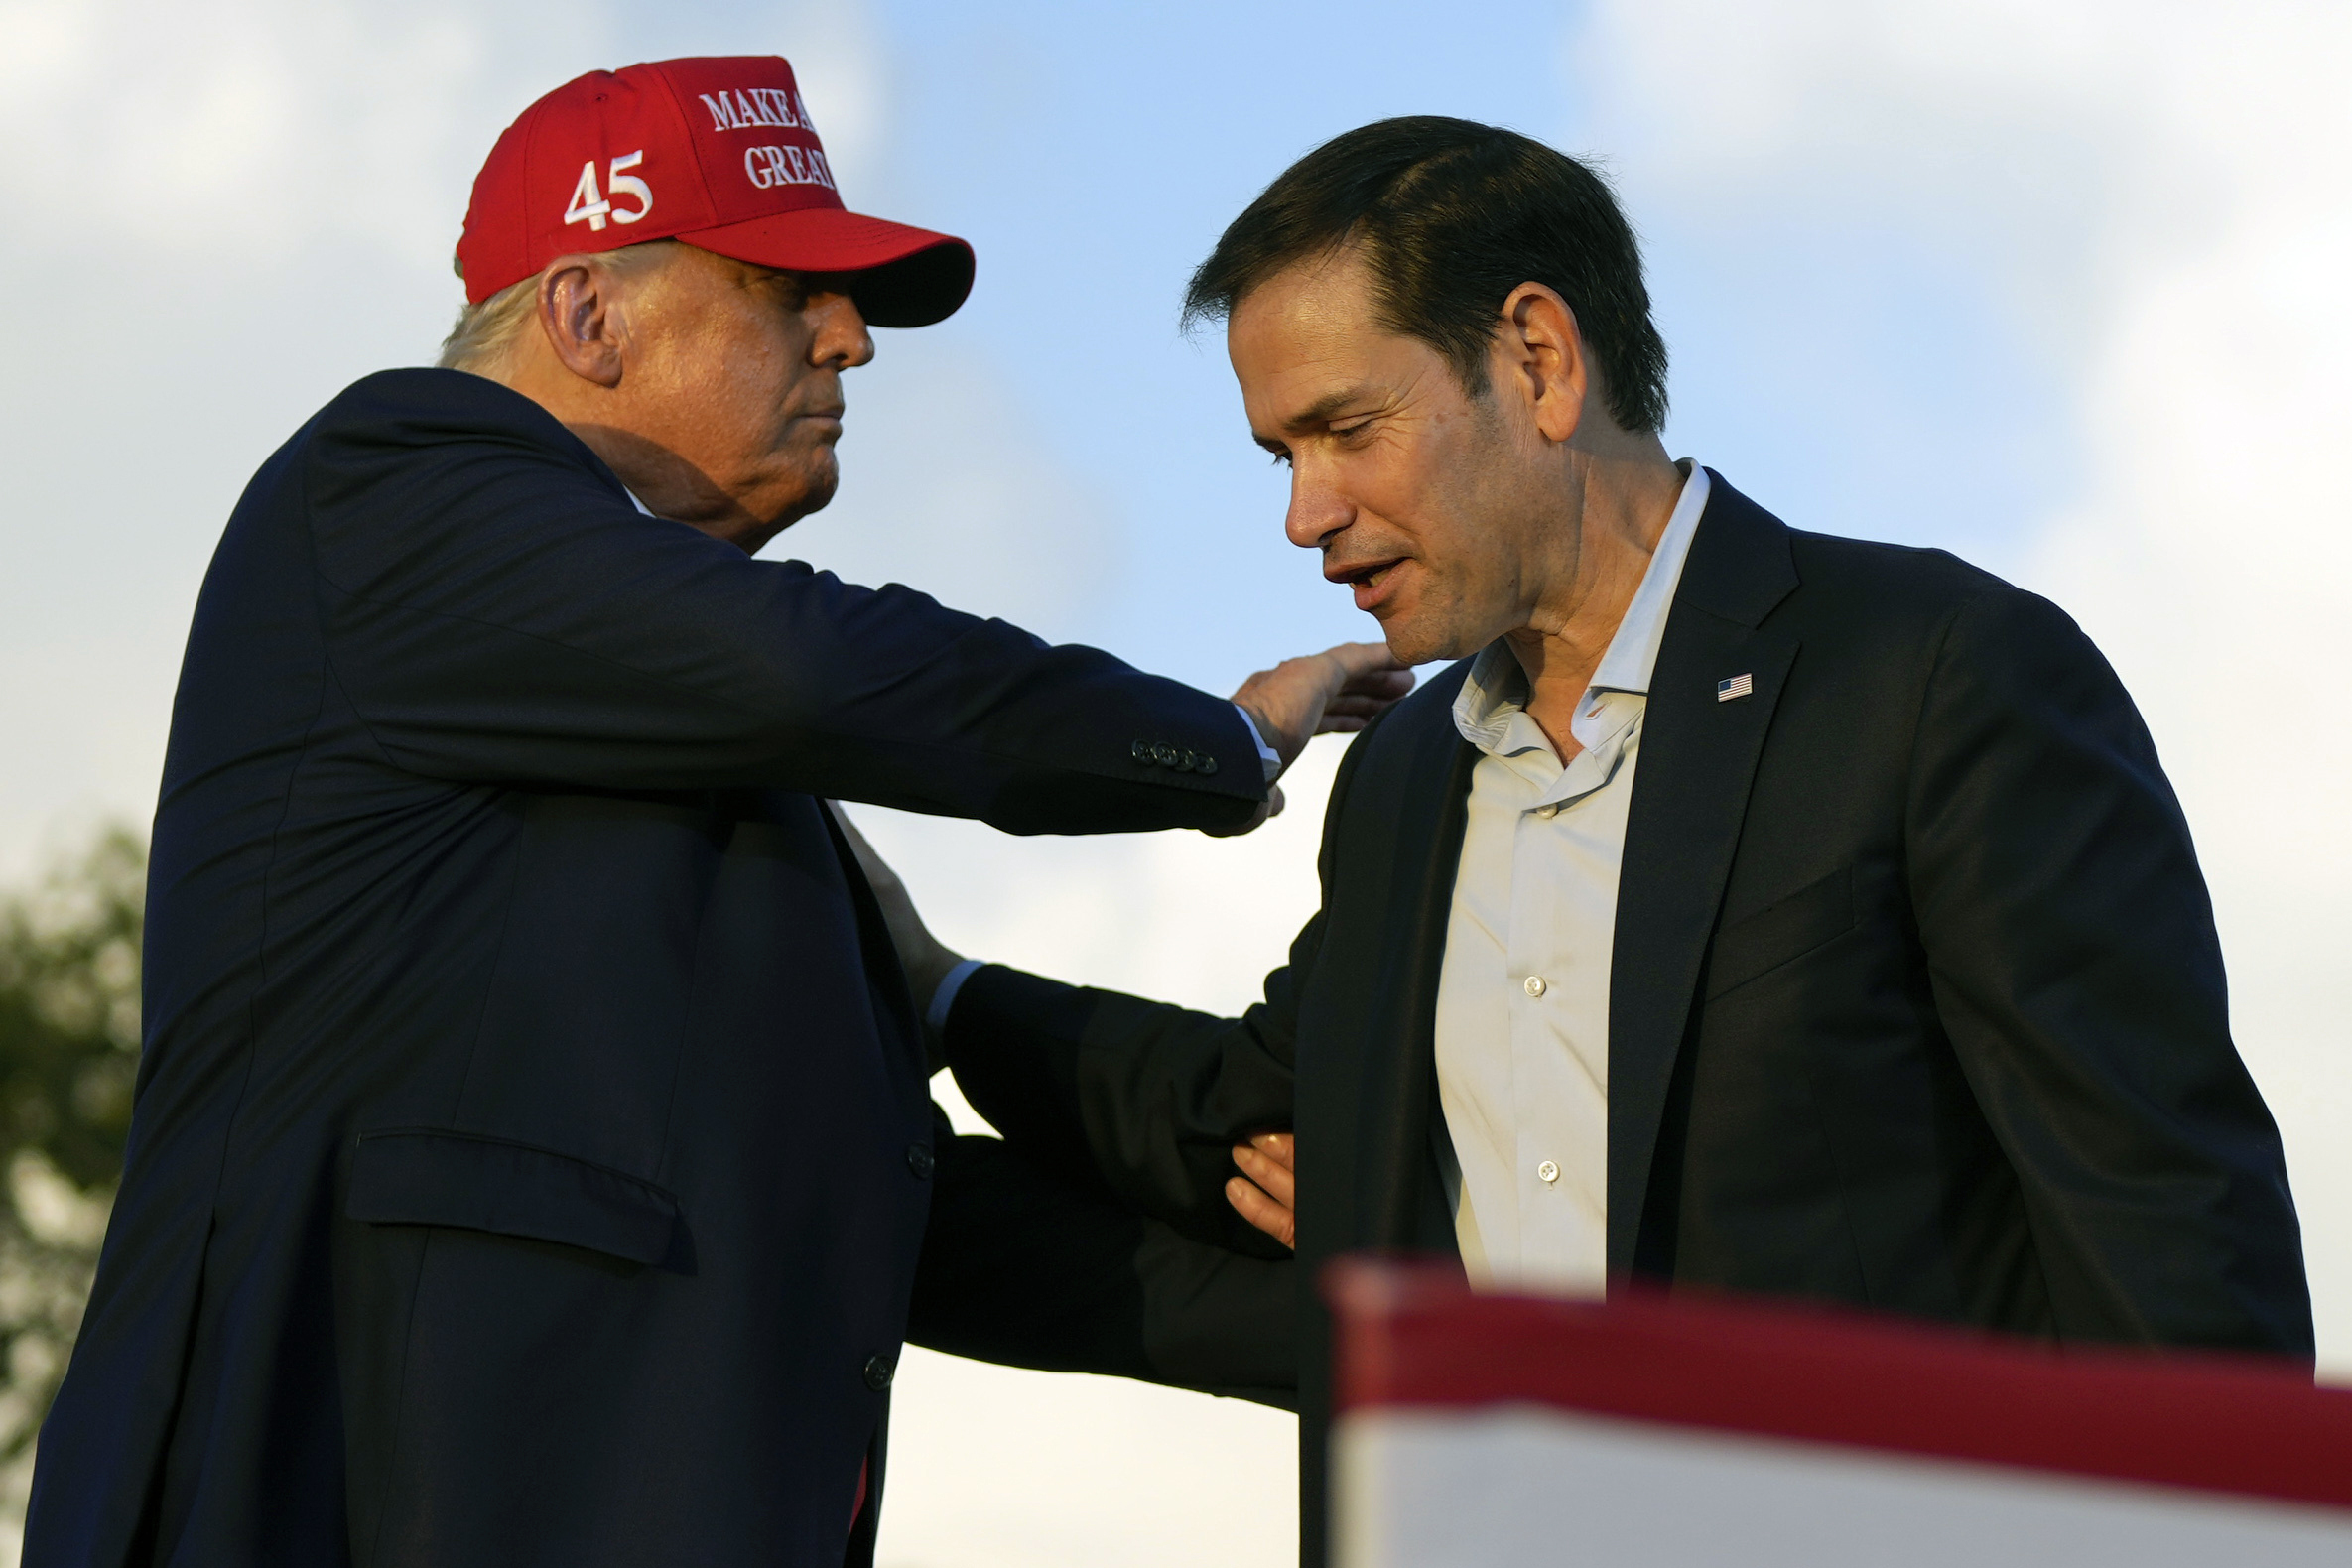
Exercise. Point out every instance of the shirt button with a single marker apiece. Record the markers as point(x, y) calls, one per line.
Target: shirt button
point(1535, 987)
point(878, 1372)
point(918, 1160)
point(1548, 810)
point(1548, 1171)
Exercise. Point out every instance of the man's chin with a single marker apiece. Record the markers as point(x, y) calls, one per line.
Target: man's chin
point(1415, 639)
point(814, 494)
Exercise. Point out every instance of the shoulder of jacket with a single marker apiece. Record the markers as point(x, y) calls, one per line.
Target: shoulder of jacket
point(1906, 581)
point(1427, 711)
point(1931, 599)
point(394, 409)
point(1428, 705)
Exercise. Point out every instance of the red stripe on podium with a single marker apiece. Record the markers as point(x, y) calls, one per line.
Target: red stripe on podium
point(1415, 1336)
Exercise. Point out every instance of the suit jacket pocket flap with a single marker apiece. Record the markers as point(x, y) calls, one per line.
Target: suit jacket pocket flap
point(422, 1176)
point(1795, 926)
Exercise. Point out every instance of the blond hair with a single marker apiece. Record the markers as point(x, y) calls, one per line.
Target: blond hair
point(487, 331)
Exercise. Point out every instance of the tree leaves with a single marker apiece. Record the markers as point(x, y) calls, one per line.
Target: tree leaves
point(69, 954)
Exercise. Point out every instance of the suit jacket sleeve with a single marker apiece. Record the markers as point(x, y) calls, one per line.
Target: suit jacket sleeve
point(497, 612)
point(1145, 1098)
point(2072, 952)
point(1142, 1098)
point(1029, 1269)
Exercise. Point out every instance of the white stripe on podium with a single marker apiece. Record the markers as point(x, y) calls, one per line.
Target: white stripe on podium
point(1524, 1485)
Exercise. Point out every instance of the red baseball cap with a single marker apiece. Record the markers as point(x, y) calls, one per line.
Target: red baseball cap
point(715, 152)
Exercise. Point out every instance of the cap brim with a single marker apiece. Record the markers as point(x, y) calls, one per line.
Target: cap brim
point(908, 277)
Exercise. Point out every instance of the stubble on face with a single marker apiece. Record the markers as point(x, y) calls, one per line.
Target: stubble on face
point(1418, 491)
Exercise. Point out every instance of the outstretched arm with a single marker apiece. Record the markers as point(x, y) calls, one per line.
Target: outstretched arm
point(495, 612)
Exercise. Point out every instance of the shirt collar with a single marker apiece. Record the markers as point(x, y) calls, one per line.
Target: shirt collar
point(1634, 652)
point(1491, 705)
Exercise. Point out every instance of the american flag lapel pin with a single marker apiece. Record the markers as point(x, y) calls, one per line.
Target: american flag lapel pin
point(1736, 687)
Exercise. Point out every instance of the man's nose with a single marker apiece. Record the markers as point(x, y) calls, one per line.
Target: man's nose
point(840, 338)
point(1317, 511)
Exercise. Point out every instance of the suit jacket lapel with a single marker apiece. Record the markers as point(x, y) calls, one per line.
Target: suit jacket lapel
point(1405, 1202)
point(1690, 795)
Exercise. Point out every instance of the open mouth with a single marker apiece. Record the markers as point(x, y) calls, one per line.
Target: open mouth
point(1371, 580)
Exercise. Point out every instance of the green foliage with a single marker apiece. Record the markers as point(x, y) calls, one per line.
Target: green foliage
point(68, 1057)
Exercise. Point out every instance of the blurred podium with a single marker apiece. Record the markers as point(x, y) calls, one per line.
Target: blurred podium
point(1671, 1433)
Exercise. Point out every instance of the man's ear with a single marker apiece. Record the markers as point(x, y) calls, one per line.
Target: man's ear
point(582, 319)
point(1544, 354)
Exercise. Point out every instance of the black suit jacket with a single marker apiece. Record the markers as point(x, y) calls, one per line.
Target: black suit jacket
point(1916, 1001)
point(532, 1144)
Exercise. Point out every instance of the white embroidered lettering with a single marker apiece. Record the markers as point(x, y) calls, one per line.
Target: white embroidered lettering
point(741, 108)
point(768, 167)
point(591, 207)
point(620, 184)
point(587, 206)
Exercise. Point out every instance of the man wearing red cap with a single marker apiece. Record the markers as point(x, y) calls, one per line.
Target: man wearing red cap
point(532, 1147)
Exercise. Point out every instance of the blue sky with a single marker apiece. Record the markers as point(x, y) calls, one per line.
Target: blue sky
point(1840, 368)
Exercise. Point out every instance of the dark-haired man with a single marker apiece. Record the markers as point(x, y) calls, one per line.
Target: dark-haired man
point(1743, 908)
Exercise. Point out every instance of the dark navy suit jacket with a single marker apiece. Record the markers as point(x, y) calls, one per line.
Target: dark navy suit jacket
point(532, 1147)
point(1915, 1000)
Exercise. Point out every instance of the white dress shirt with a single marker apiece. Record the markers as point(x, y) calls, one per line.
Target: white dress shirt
point(1522, 998)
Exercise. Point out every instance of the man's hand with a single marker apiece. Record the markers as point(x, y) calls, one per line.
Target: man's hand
point(1269, 1194)
point(1336, 691)
point(923, 955)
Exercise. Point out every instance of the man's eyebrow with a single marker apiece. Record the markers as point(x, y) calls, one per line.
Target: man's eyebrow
point(1315, 413)
point(1323, 408)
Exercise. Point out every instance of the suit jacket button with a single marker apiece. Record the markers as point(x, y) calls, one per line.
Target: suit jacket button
point(1208, 763)
point(1166, 755)
point(1189, 762)
point(1141, 752)
point(878, 1372)
point(918, 1160)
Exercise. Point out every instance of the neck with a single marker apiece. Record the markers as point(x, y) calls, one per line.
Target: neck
point(1618, 509)
point(670, 487)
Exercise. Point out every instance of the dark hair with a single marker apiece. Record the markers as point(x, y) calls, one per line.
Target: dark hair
point(1451, 215)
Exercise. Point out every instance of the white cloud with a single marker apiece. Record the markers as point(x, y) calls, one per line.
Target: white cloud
point(991, 1468)
point(2155, 192)
point(243, 129)
point(254, 129)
